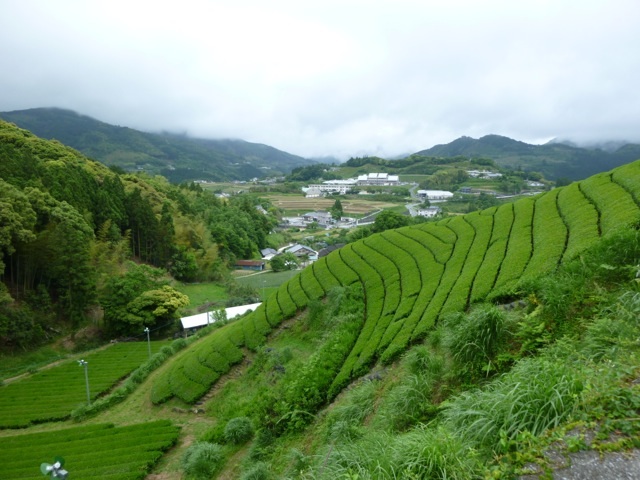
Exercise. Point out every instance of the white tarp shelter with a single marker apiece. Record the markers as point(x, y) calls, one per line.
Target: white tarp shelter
point(206, 318)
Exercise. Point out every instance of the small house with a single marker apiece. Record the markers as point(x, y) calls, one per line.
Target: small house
point(302, 251)
point(257, 265)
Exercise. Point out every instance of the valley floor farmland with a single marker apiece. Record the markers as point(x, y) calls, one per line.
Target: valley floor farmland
point(298, 203)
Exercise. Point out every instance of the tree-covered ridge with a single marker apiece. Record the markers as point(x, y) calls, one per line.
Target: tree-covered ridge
point(69, 224)
point(177, 157)
point(554, 160)
point(413, 277)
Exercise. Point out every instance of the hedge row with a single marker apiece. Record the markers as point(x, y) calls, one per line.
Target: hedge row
point(628, 177)
point(581, 218)
point(460, 295)
point(464, 238)
point(485, 280)
point(550, 235)
point(191, 375)
point(520, 243)
point(613, 202)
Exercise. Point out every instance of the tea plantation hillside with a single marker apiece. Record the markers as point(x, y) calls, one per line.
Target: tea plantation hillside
point(414, 276)
point(462, 349)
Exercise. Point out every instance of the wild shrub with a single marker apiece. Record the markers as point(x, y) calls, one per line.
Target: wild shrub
point(202, 460)
point(421, 360)
point(298, 462)
point(214, 434)
point(366, 459)
point(238, 430)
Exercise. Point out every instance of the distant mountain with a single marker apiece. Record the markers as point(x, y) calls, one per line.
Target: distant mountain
point(554, 159)
point(177, 157)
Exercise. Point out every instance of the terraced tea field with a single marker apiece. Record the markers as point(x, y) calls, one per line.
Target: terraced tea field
point(413, 276)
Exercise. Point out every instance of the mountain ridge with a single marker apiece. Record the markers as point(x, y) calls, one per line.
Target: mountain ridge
point(553, 159)
point(176, 156)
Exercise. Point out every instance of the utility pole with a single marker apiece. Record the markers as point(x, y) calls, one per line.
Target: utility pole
point(84, 363)
point(146, 330)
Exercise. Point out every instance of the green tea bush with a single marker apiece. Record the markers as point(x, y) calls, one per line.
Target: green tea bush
point(549, 235)
point(520, 244)
point(494, 255)
point(202, 460)
point(178, 344)
point(581, 218)
point(616, 206)
point(166, 350)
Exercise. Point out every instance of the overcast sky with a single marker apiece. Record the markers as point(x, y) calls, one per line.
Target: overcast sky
point(343, 77)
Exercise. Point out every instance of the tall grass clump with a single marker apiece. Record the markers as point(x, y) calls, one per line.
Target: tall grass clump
point(474, 339)
point(258, 471)
point(433, 453)
point(238, 430)
point(366, 459)
point(202, 460)
point(343, 420)
point(535, 395)
point(616, 331)
point(411, 400)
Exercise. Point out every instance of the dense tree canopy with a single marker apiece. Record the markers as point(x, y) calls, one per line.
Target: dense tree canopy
point(68, 224)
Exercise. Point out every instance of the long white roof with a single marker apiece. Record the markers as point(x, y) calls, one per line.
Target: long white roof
point(205, 318)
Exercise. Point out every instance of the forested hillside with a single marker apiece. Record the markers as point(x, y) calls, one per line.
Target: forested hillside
point(177, 157)
point(70, 226)
point(553, 160)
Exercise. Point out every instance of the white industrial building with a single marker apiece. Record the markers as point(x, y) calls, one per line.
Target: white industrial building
point(378, 179)
point(434, 195)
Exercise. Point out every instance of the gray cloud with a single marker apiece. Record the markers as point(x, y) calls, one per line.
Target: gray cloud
point(333, 77)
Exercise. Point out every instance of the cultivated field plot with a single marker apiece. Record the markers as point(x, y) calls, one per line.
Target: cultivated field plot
point(51, 394)
point(414, 276)
point(297, 203)
point(95, 451)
